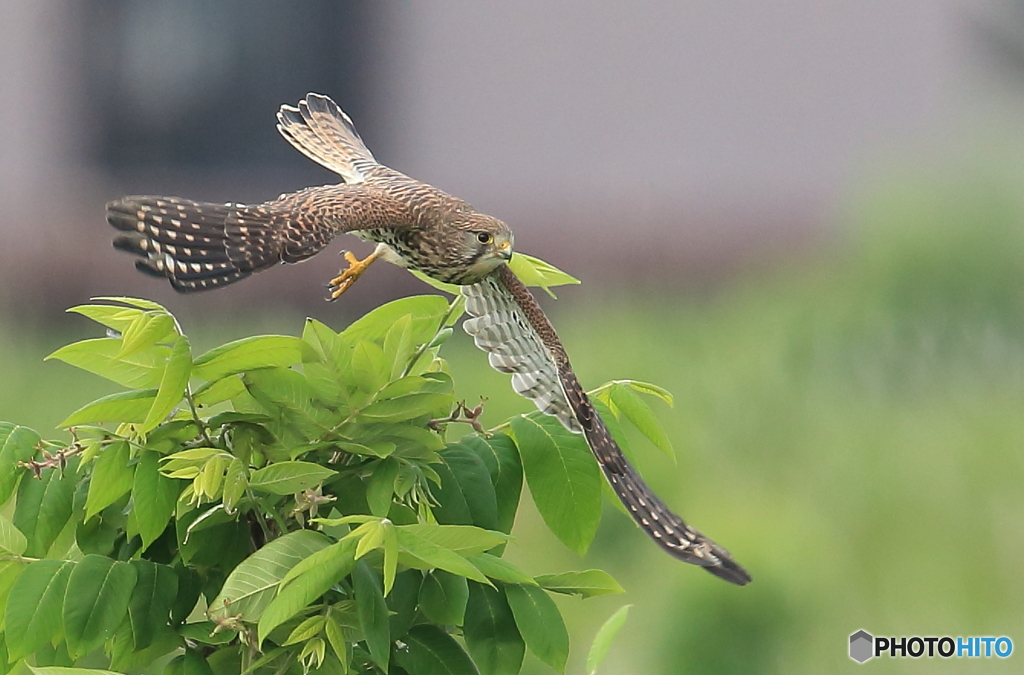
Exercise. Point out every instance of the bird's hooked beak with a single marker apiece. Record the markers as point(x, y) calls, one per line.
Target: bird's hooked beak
point(505, 250)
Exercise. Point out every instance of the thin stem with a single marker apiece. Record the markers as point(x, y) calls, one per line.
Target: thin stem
point(423, 347)
point(195, 414)
point(498, 428)
point(188, 391)
point(18, 558)
point(281, 524)
point(267, 535)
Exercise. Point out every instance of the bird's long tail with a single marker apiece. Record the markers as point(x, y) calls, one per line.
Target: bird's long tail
point(200, 245)
point(507, 322)
point(660, 523)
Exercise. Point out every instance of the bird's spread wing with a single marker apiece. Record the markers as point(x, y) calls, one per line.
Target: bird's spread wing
point(507, 322)
point(321, 131)
point(501, 328)
point(201, 245)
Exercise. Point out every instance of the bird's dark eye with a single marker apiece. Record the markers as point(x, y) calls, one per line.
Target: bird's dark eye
point(484, 238)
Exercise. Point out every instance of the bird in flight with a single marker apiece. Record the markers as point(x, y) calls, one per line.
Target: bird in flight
point(200, 246)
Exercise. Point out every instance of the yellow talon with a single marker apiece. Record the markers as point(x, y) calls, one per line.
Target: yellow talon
point(347, 277)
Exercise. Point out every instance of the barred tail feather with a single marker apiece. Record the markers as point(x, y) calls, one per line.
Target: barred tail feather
point(321, 131)
point(196, 245)
point(660, 523)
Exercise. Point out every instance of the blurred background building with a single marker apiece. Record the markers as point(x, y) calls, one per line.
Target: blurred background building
point(630, 143)
point(803, 218)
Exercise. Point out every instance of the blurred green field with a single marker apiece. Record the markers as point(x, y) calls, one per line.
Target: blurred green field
point(852, 430)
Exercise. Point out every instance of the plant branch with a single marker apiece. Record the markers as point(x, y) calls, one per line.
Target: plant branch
point(195, 415)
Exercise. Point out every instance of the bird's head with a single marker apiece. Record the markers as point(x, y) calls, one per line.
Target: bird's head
point(487, 243)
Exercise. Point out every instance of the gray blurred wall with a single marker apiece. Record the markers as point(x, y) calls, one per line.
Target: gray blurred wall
point(631, 141)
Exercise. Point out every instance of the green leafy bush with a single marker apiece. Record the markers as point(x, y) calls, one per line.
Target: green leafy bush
point(289, 504)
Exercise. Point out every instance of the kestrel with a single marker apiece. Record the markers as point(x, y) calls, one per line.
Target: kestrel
point(199, 246)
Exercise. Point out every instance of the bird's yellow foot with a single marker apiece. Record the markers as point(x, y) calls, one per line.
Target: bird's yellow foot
point(347, 277)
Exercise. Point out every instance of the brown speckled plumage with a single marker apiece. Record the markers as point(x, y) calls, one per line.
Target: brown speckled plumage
point(199, 246)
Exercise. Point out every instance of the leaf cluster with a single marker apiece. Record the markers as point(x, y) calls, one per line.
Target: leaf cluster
point(287, 504)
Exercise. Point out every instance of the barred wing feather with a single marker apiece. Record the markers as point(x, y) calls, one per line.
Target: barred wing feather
point(507, 323)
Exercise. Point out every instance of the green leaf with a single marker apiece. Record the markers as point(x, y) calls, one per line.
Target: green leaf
point(431, 651)
point(642, 417)
point(491, 633)
point(648, 388)
point(563, 477)
point(172, 385)
point(111, 478)
point(124, 407)
point(285, 478)
point(17, 444)
point(381, 487)
point(117, 318)
point(434, 283)
point(250, 587)
point(264, 351)
point(463, 539)
point(96, 601)
point(218, 391)
point(133, 302)
point(427, 554)
point(535, 272)
point(140, 370)
point(407, 407)
point(501, 457)
point(154, 497)
point(60, 670)
point(390, 554)
point(373, 613)
point(288, 391)
point(371, 536)
point(125, 659)
point(44, 507)
point(309, 628)
point(329, 377)
point(398, 345)
point(149, 608)
point(603, 640)
point(339, 549)
point(443, 598)
point(32, 617)
point(336, 638)
point(403, 602)
point(145, 331)
point(189, 663)
point(467, 495)
point(236, 480)
point(500, 569)
point(325, 342)
point(10, 570)
point(410, 384)
point(189, 589)
point(585, 584)
point(540, 623)
point(320, 572)
point(12, 540)
point(425, 311)
point(369, 370)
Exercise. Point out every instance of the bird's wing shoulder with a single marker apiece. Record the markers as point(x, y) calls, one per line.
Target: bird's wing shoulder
point(321, 131)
